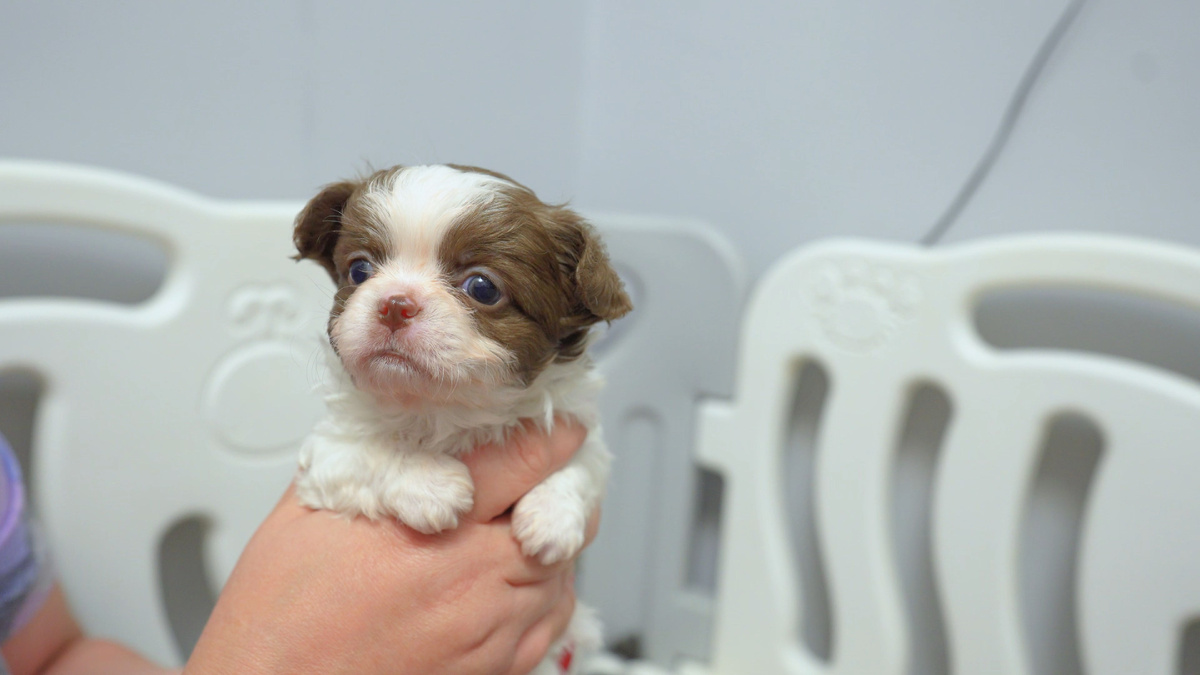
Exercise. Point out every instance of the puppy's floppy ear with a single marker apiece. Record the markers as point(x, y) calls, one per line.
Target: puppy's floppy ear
point(601, 290)
point(320, 222)
point(601, 294)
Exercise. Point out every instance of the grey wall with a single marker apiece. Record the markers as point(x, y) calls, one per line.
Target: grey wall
point(273, 99)
point(778, 122)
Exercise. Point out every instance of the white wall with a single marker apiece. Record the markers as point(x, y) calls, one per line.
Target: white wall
point(782, 122)
point(777, 122)
point(1109, 141)
point(273, 99)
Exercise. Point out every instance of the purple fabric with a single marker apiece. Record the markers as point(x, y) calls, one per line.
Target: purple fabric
point(14, 540)
point(25, 579)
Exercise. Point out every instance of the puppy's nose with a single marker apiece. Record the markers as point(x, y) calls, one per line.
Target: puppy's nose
point(396, 311)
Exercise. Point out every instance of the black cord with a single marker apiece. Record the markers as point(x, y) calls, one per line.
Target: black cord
point(1011, 114)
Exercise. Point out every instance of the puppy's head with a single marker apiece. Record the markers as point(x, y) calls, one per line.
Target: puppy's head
point(453, 280)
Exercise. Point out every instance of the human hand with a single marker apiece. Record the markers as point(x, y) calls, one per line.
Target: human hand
point(317, 593)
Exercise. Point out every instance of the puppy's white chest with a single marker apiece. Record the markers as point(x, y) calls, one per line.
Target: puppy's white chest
point(417, 478)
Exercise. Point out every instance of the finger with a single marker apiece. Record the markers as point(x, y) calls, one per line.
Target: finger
point(532, 572)
point(534, 645)
point(533, 602)
point(504, 473)
point(523, 609)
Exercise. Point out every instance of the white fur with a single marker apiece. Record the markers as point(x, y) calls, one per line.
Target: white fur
point(422, 203)
point(445, 350)
point(395, 428)
point(377, 458)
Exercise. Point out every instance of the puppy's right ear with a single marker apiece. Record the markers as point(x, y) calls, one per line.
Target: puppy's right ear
point(320, 222)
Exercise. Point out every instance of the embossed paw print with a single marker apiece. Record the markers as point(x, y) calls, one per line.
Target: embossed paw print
point(258, 310)
point(549, 526)
point(860, 305)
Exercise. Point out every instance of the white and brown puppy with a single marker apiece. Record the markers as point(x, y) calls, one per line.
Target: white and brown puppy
point(463, 307)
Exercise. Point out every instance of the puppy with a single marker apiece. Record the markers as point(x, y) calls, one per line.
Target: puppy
point(463, 306)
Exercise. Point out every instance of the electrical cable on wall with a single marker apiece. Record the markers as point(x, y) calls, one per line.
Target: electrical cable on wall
point(1007, 123)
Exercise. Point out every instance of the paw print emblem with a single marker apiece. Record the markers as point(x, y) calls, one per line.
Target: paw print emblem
point(861, 305)
point(264, 310)
point(258, 399)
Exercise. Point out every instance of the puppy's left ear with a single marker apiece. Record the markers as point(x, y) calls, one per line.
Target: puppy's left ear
point(600, 288)
point(583, 257)
point(320, 223)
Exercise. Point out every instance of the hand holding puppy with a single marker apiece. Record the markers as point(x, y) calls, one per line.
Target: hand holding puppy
point(315, 592)
point(463, 305)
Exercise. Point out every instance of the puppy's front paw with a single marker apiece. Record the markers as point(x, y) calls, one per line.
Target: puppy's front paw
point(431, 493)
point(550, 526)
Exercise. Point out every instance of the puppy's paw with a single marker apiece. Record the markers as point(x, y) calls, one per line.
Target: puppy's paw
point(550, 526)
point(337, 486)
point(430, 493)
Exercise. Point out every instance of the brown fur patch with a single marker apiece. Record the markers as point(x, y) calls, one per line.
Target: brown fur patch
point(552, 267)
point(335, 225)
point(319, 222)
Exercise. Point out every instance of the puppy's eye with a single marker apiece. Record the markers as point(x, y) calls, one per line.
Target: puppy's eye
point(481, 289)
point(360, 271)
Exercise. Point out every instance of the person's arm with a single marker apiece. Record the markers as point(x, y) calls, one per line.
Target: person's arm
point(39, 634)
point(314, 592)
point(51, 643)
point(317, 593)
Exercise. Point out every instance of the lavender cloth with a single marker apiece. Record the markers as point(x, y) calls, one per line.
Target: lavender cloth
point(24, 575)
